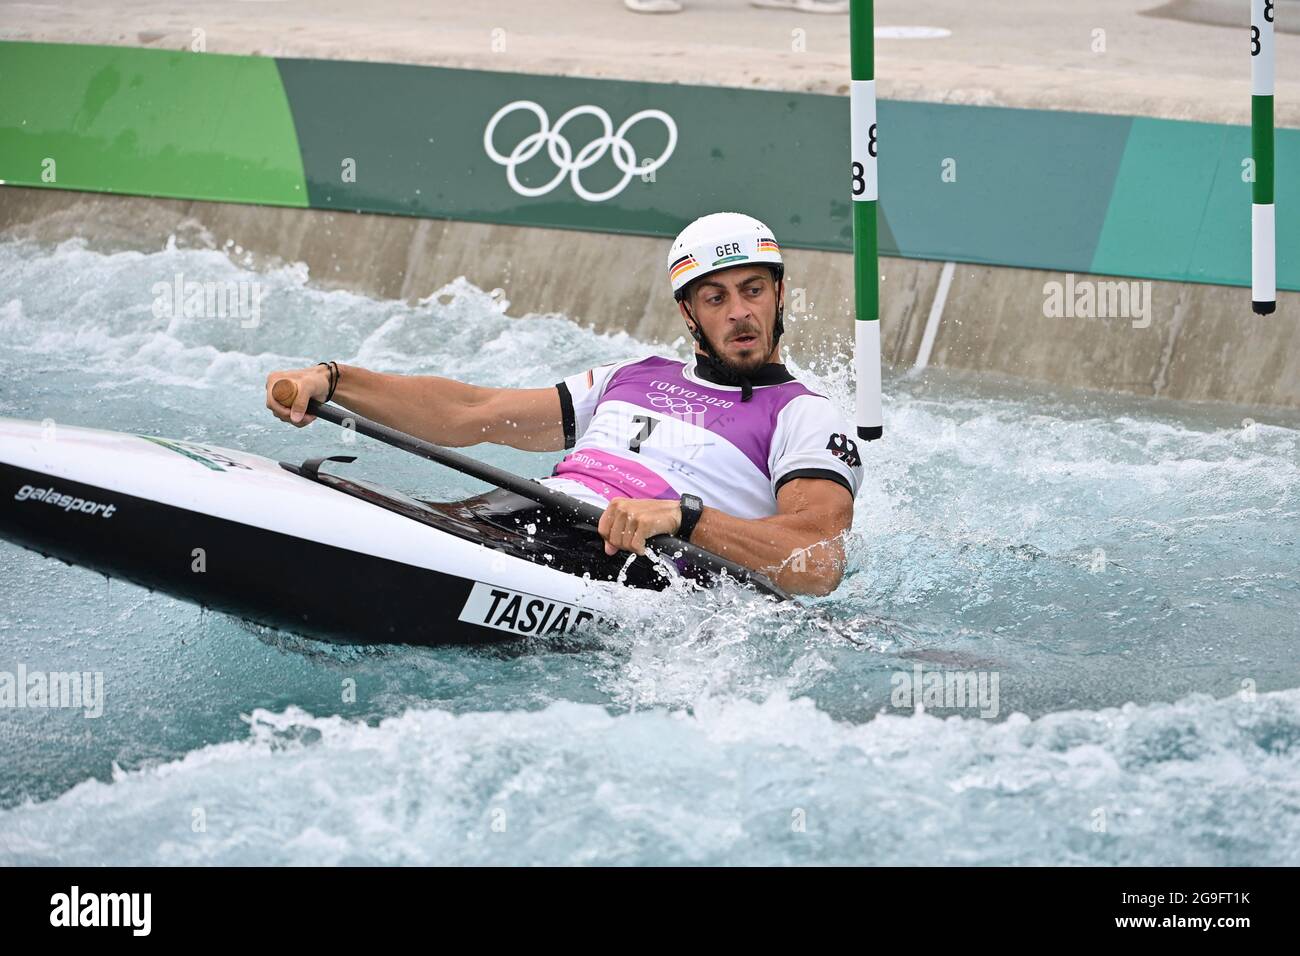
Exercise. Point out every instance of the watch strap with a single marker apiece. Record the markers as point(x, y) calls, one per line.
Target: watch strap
point(692, 509)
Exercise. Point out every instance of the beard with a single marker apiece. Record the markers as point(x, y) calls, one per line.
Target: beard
point(756, 355)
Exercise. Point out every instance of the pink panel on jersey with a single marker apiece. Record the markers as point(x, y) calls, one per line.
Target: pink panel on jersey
point(613, 477)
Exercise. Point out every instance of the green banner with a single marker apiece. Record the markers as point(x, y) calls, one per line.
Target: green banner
point(1069, 192)
point(149, 122)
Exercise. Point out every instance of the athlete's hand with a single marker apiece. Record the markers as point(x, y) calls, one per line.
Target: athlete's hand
point(628, 522)
point(311, 383)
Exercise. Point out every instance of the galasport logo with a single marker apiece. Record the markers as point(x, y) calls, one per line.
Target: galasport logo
point(52, 496)
point(845, 449)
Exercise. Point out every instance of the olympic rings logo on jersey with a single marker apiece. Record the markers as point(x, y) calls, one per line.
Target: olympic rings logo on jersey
point(561, 152)
point(675, 406)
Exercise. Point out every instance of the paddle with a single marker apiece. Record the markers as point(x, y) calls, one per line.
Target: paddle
point(285, 391)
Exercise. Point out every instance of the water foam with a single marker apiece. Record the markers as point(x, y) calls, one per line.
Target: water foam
point(1092, 551)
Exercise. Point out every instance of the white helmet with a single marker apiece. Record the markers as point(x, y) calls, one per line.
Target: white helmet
point(718, 241)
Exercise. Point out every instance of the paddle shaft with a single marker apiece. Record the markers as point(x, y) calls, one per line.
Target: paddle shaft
point(665, 544)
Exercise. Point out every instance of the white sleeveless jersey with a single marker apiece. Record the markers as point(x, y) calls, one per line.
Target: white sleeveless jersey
point(655, 428)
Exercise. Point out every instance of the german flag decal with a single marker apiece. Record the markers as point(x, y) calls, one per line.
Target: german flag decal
point(768, 244)
point(685, 264)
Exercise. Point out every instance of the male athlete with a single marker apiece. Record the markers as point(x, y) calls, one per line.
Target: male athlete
point(727, 451)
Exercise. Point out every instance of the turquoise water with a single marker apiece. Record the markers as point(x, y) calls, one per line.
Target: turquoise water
point(1123, 573)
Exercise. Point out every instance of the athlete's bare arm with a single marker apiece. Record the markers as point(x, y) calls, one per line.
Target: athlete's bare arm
point(801, 547)
point(436, 409)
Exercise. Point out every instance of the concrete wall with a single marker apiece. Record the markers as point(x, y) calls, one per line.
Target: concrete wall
point(1202, 343)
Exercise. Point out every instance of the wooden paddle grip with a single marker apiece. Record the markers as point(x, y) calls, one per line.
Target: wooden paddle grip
point(284, 391)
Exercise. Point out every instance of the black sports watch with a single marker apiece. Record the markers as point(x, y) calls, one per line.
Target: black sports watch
point(692, 509)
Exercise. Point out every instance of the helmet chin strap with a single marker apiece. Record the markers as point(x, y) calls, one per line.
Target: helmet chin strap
point(724, 371)
point(779, 326)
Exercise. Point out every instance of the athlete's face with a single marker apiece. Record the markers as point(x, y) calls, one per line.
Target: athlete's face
point(736, 311)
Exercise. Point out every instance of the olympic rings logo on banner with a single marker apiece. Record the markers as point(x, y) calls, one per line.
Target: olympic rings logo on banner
point(561, 152)
point(675, 405)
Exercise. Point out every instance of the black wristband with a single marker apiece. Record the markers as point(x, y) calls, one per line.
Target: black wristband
point(333, 369)
point(692, 508)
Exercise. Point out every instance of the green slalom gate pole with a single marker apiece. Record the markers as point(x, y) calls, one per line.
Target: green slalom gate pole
point(865, 192)
point(1263, 252)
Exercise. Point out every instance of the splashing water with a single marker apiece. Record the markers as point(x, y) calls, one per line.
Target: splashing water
point(1116, 579)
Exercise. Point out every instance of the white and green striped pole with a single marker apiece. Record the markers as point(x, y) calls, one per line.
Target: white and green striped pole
point(866, 270)
point(1263, 253)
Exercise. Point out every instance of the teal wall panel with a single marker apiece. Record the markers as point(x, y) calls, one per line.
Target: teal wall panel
point(1043, 189)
